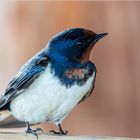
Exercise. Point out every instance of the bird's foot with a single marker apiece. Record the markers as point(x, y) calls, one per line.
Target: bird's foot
point(59, 133)
point(34, 132)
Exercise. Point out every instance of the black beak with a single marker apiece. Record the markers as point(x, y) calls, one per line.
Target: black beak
point(99, 36)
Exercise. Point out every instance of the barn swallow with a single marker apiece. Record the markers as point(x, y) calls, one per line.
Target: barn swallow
point(54, 81)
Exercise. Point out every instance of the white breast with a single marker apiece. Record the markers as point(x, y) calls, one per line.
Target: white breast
point(47, 100)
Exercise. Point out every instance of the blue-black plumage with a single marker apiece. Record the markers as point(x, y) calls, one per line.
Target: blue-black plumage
point(54, 81)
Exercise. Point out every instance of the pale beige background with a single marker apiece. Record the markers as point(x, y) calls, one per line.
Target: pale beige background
point(114, 108)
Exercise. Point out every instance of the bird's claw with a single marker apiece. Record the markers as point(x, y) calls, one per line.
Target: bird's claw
point(59, 133)
point(38, 129)
point(34, 132)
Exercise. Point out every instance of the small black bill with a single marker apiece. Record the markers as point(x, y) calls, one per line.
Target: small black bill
point(99, 36)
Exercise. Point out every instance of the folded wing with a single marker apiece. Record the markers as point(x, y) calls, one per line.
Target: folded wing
point(25, 77)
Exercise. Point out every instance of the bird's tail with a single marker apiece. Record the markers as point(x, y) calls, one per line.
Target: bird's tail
point(4, 115)
point(6, 118)
point(8, 121)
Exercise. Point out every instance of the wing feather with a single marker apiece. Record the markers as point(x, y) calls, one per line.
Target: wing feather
point(25, 77)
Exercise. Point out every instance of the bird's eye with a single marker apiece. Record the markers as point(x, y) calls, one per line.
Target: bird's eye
point(80, 43)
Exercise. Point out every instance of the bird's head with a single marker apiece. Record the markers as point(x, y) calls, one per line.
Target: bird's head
point(73, 45)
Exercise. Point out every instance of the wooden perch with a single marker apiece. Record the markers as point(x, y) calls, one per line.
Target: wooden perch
point(21, 136)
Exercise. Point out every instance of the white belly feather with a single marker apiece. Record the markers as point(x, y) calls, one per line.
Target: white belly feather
point(47, 100)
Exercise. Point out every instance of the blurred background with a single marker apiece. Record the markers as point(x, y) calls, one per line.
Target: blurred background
point(114, 108)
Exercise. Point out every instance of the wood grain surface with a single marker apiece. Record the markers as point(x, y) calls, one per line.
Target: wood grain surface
point(22, 136)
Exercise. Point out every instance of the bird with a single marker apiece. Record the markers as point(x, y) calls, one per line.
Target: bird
point(54, 81)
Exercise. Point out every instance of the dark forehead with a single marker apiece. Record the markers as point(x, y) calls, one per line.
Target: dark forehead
point(75, 33)
point(72, 34)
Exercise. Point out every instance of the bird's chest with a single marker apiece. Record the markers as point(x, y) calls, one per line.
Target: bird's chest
point(47, 99)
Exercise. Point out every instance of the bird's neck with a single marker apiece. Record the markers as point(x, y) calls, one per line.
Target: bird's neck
point(60, 66)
